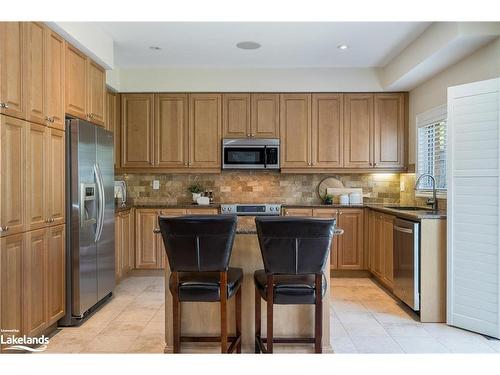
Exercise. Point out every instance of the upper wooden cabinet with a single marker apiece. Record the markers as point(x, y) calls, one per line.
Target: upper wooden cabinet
point(327, 131)
point(96, 93)
point(358, 131)
point(171, 130)
point(250, 115)
point(112, 122)
point(137, 118)
point(85, 87)
point(12, 69)
point(54, 78)
point(388, 132)
point(295, 130)
point(205, 131)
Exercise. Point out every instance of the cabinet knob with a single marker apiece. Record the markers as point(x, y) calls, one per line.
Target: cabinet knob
point(47, 118)
point(249, 135)
point(156, 230)
point(4, 105)
point(51, 119)
point(4, 228)
point(340, 212)
point(374, 164)
point(185, 163)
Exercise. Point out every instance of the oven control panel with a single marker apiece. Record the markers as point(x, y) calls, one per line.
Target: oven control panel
point(251, 209)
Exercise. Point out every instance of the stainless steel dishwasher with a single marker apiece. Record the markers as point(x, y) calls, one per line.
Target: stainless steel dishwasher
point(407, 262)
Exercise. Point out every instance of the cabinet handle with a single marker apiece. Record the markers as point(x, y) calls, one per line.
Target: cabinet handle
point(340, 213)
point(47, 220)
point(185, 163)
point(47, 118)
point(249, 135)
point(4, 229)
point(4, 105)
point(156, 230)
point(51, 119)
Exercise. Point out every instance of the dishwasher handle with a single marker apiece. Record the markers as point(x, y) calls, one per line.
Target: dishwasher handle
point(404, 230)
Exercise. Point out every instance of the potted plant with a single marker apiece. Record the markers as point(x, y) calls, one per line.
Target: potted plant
point(196, 190)
point(328, 199)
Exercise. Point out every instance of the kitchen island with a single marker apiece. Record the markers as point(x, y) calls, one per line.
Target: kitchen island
point(289, 320)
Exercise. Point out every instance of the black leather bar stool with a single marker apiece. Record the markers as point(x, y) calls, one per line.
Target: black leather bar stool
point(198, 250)
point(294, 251)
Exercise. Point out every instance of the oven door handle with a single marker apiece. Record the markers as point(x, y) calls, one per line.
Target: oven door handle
point(404, 230)
point(265, 157)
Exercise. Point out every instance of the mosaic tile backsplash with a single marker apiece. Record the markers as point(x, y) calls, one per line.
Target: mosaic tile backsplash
point(255, 187)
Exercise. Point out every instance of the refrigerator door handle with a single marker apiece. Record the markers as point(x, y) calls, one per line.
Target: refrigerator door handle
point(100, 202)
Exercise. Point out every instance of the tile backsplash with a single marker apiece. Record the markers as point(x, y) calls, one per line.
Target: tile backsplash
point(255, 187)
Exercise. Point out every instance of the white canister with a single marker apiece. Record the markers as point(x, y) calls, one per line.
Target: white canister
point(355, 198)
point(344, 199)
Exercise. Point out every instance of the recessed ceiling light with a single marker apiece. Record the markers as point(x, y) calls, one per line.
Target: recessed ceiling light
point(155, 48)
point(342, 46)
point(248, 45)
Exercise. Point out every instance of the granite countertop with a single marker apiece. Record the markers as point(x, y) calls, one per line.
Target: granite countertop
point(128, 206)
point(320, 205)
point(405, 214)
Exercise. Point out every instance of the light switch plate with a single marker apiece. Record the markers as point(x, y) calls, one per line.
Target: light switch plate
point(156, 184)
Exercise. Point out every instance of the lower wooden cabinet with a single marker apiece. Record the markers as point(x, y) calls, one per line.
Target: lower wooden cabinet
point(381, 246)
point(124, 243)
point(149, 248)
point(330, 213)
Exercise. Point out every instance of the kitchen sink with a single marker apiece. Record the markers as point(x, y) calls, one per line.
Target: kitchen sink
point(409, 208)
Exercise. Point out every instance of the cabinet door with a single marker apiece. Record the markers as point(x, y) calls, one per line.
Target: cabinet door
point(387, 234)
point(162, 255)
point(171, 130)
point(236, 115)
point(56, 177)
point(350, 243)
point(113, 122)
point(146, 246)
point(297, 212)
point(205, 129)
point(377, 241)
point(35, 278)
point(265, 116)
point(358, 130)
point(127, 238)
point(329, 213)
point(13, 177)
point(35, 82)
point(37, 176)
point(96, 93)
point(389, 131)
point(12, 69)
point(54, 79)
point(137, 130)
point(56, 273)
point(76, 82)
point(295, 130)
point(327, 130)
point(11, 279)
point(118, 248)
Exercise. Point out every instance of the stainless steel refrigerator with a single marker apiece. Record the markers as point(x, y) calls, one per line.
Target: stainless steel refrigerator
point(90, 245)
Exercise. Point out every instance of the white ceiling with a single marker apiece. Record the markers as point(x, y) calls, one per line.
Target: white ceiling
point(284, 45)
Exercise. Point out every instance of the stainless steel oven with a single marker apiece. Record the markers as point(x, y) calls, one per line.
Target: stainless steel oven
point(407, 262)
point(250, 154)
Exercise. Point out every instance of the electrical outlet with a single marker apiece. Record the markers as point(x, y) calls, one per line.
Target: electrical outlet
point(156, 184)
point(402, 185)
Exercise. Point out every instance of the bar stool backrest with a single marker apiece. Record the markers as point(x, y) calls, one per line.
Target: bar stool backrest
point(294, 245)
point(198, 243)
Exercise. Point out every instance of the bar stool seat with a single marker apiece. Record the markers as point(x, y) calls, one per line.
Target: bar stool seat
point(205, 286)
point(289, 289)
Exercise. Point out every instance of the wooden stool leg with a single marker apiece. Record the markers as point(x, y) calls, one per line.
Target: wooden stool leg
point(258, 334)
point(318, 314)
point(238, 319)
point(223, 312)
point(270, 304)
point(176, 314)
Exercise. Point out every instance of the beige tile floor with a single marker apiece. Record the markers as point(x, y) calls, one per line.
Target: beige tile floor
point(364, 319)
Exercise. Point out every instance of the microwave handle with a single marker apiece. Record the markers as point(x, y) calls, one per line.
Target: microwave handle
point(265, 157)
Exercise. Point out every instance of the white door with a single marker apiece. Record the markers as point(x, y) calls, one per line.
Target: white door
point(473, 301)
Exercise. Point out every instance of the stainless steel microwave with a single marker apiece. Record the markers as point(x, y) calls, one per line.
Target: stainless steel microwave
point(251, 154)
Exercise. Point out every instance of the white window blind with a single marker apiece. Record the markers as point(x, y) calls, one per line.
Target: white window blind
point(431, 149)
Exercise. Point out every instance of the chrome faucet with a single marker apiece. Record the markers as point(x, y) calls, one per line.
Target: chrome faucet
point(434, 201)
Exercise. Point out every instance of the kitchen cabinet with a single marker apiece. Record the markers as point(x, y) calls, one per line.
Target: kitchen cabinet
point(112, 122)
point(56, 177)
point(389, 121)
point(171, 131)
point(381, 246)
point(327, 131)
point(13, 207)
point(350, 254)
point(250, 115)
point(205, 131)
point(85, 87)
point(12, 69)
point(298, 212)
point(56, 271)
point(11, 278)
point(54, 79)
point(358, 131)
point(295, 130)
point(96, 94)
point(137, 118)
point(330, 213)
point(118, 249)
point(124, 244)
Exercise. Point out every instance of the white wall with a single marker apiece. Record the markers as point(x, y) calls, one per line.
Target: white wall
point(482, 64)
point(263, 80)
